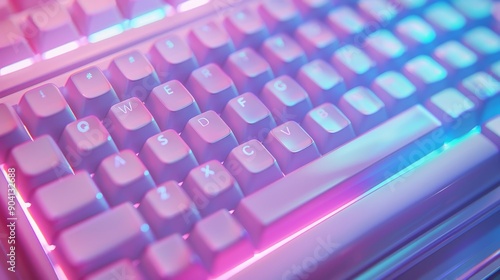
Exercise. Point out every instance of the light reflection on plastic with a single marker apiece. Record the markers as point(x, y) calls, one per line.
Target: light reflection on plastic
point(106, 33)
point(148, 18)
point(47, 248)
point(99, 196)
point(190, 4)
point(16, 66)
point(144, 227)
point(234, 271)
point(60, 50)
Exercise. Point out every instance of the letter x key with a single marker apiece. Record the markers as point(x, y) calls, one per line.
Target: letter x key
point(206, 170)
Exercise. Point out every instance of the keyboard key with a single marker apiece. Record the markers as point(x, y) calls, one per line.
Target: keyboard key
point(331, 180)
point(209, 137)
point(409, 5)
point(90, 93)
point(477, 11)
point(49, 165)
point(211, 187)
point(44, 111)
point(253, 166)
point(484, 91)
point(347, 24)
point(421, 199)
point(496, 16)
point(12, 130)
point(13, 48)
point(118, 233)
point(291, 146)
point(48, 31)
point(426, 74)
point(5, 9)
point(394, 89)
point(130, 124)
point(248, 70)
point(173, 59)
point(445, 19)
point(85, 143)
point(356, 67)
point(495, 70)
point(133, 76)
point(92, 16)
point(248, 117)
point(221, 242)
point(283, 54)
point(81, 199)
point(211, 87)
point(210, 43)
point(456, 58)
point(123, 177)
point(123, 267)
point(313, 8)
point(363, 108)
point(280, 15)
point(484, 42)
point(175, 3)
point(134, 8)
point(455, 111)
point(286, 98)
point(491, 129)
point(328, 126)
point(172, 258)
point(24, 4)
point(169, 210)
point(415, 33)
point(317, 39)
point(167, 157)
point(172, 105)
point(385, 49)
point(246, 28)
point(381, 11)
point(321, 82)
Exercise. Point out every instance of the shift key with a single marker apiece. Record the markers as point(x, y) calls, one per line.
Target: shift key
point(338, 177)
point(118, 233)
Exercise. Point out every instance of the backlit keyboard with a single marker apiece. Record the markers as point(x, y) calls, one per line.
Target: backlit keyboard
point(250, 139)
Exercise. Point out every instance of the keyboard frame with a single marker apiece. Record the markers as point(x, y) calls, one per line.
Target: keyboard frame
point(57, 70)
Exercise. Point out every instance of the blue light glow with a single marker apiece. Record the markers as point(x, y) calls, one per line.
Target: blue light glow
point(148, 18)
point(106, 33)
point(144, 227)
point(428, 157)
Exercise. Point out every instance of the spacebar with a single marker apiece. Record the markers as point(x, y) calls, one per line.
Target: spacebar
point(323, 185)
point(345, 243)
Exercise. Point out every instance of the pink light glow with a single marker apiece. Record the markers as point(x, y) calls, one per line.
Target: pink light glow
point(60, 50)
point(16, 66)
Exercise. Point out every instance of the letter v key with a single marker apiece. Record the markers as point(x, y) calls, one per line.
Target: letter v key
point(287, 131)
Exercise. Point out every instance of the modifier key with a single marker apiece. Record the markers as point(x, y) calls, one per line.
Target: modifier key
point(347, 241)
point(327, 183)
point(118, 233)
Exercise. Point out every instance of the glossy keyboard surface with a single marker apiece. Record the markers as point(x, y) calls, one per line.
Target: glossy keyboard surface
point(260, 139)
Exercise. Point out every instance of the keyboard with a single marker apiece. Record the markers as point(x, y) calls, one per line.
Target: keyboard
point(250, 139)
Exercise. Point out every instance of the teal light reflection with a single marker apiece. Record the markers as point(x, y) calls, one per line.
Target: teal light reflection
point(148, 18)
point(99, 196)
point(106, 33)
point(429, 157)
point(144, 227)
